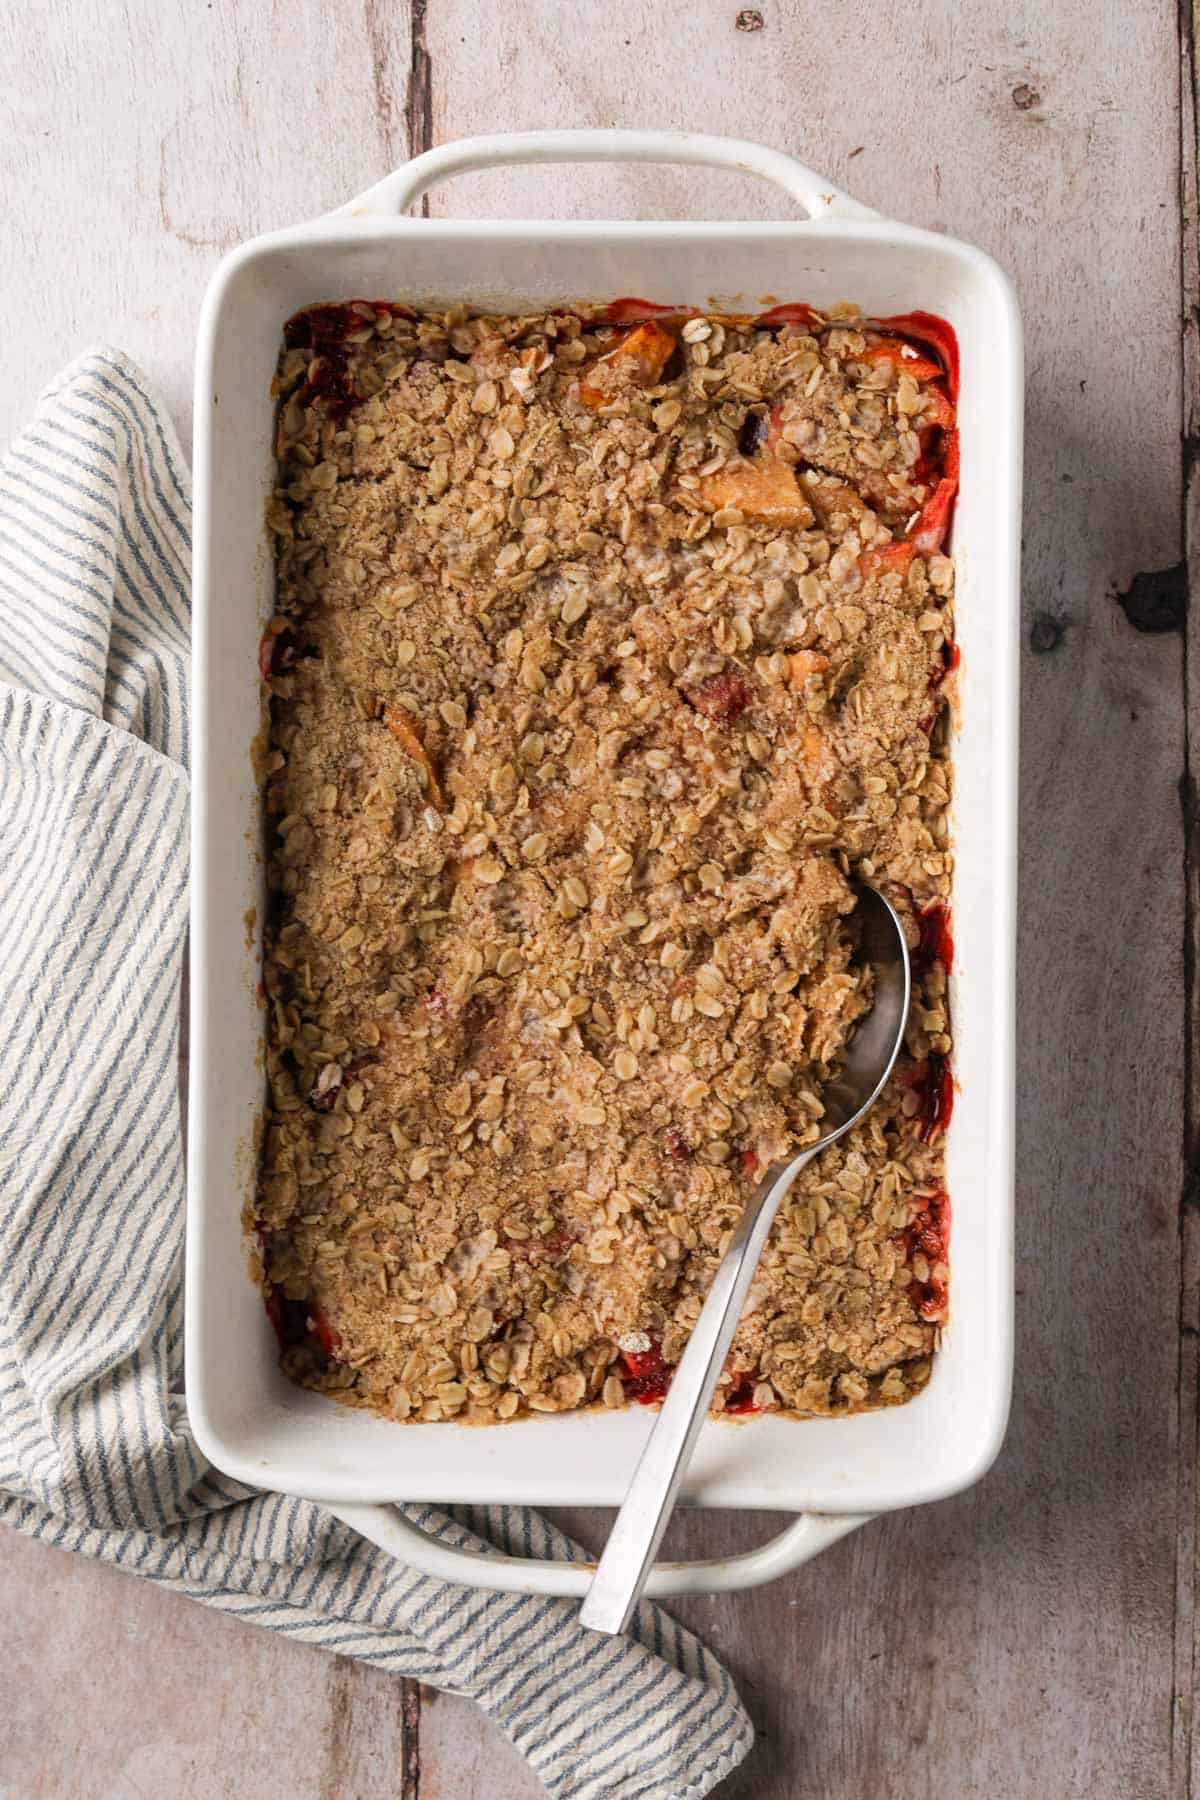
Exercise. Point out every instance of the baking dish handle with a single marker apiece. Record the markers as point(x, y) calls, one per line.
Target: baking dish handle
point(397, 192)
point(388, 1527)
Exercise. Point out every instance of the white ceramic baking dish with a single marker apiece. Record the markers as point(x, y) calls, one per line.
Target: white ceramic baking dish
point(247, 1418)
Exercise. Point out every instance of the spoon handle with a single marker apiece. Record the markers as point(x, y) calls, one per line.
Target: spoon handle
point(639, 1526)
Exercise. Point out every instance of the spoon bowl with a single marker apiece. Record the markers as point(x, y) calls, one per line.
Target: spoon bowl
point(870, 1057)
point(872, 1051)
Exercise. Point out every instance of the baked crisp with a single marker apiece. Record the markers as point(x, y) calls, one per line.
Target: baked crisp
point(606, 656)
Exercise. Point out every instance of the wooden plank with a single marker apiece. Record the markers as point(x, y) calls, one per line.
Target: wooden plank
point(1017, 1640)
point(1185, 1759)
point(129, 169)
point(464, 1756)
point(113, 1687)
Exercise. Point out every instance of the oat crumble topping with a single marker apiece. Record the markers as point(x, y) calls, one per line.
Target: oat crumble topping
point(605, 657)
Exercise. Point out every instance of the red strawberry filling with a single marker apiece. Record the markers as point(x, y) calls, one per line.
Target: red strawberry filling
point(899, 353)
point(928, 1234)
point(928, 1230)
point(933, 1085)
point(886, 559)
point(629, 310)
point(277, 652)
point(792, 313)
point(646, 1376)
point(555, 1243)
point(739, 1395)
point(934, 334)
point(933, 521)
point(930, 1299)
point(325, 331)
point(946, 664)
point(722, 698)
point(936, 943)
point(298, 1322)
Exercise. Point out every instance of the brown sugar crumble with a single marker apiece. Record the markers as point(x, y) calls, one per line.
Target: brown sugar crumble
point(606, 657)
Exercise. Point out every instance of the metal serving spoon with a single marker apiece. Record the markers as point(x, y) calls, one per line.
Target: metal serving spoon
point(637, 1532)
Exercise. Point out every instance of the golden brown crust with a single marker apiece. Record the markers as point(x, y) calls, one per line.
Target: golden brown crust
point(577, 743)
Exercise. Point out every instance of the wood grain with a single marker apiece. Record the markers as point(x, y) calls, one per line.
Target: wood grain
point(1034, 1638)
point(143, 141)
point(113, 1687)
point(1185, 1758)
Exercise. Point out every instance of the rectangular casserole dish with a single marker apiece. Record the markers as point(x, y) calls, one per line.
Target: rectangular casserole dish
point(248, 1419)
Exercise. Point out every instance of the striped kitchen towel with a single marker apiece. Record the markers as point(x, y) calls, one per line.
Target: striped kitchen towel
point(95, 1450)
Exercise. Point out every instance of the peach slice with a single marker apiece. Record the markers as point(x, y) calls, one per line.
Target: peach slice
point(764, 489)
point(640, 357)
point(405, 731)
point(804, 664)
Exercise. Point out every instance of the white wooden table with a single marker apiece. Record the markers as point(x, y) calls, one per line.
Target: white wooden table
point(1034, 1638)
